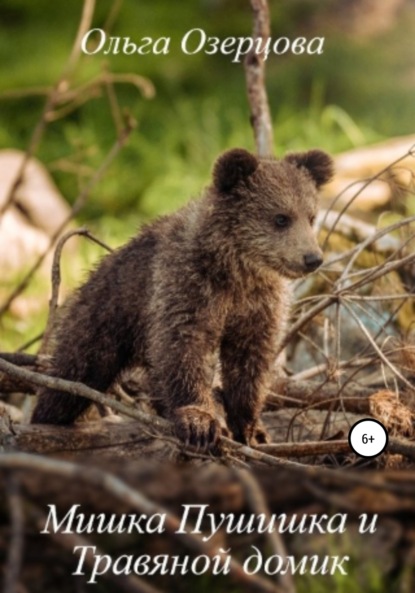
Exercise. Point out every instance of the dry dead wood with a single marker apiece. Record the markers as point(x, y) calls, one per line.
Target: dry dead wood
point(152, 427)
point(131, 440)
point(367, 178)
point(366, 161)
point(255, 81)
point(352, 397)
point(119, 490)
point(125, 440)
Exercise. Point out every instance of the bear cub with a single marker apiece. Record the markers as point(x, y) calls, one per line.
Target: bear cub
point(208, 283)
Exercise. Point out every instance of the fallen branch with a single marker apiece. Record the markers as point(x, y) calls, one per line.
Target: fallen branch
point(118, 489)
point(395, 446)
point(306, 449)
point(20, 358)
point(121, 440)
point(157, 423)
point(75, 388)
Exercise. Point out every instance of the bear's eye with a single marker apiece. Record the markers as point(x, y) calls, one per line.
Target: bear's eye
point(282, 221)
point(312, 220)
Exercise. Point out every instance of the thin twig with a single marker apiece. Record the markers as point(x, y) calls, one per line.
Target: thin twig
point(375, 274)
point(114, 106)
point(323, 368)
point(85, 22)
point(112, 15)
point(84, 25)
point(373, 238)
point(380, 297)
point(382, 270)
point(79, 94)
point(77, 207)
point(56, 280)
point(302, 321)
point(410, 152)
point(381, 355)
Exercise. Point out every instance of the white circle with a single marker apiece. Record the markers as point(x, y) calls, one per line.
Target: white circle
point(368, 438)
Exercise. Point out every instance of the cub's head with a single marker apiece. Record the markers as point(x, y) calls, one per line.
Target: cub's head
point(269, 206)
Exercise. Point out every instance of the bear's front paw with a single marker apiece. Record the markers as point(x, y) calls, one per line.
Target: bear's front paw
point(196, 426)
point(252, 433)
point(260, 435)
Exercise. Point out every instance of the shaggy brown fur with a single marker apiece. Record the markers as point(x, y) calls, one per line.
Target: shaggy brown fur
point(210, 281)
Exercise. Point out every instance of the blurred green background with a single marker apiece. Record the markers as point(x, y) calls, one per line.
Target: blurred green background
point(359, 91)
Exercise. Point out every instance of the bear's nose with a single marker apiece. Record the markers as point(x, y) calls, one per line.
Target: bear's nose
point(312, 261)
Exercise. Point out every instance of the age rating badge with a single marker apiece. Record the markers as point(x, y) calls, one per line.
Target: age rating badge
point(368, 438)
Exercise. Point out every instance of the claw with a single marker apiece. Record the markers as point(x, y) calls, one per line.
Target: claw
point(250, 434)
point(196, 426)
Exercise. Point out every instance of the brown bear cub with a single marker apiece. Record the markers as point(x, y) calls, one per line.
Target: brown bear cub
point(207, 283)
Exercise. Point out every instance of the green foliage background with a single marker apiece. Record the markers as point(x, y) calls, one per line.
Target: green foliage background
point(359, 90)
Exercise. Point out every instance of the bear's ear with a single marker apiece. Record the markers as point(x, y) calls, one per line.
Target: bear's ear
point(233, 166)
point(318, 164)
